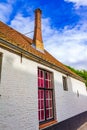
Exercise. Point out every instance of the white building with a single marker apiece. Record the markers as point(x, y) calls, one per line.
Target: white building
point(36, 90)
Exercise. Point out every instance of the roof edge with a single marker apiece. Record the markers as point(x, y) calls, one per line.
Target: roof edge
point(33, 57)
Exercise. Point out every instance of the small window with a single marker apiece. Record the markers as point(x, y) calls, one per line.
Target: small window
point(0, 64)
point(65, 87)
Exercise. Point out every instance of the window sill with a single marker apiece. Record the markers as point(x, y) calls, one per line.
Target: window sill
point(45, 125)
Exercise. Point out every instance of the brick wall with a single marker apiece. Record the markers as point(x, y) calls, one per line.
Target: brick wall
point(71, 102)
point(18, 89)
point(19, 94)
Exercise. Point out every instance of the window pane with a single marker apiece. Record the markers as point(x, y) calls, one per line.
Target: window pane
point(48, 80)
point(51, 113)
point(47, 84)
point(46, 75)
point(42, 74)
point(42, 114)
point(41, 111)
point(42, 104)
point(42, 82)
point(47, 113)
point(40, 78)
point(49, 107)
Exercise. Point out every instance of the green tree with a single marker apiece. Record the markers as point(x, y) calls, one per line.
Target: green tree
point(81, 73)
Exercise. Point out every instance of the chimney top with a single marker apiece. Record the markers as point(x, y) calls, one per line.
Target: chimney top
point(36, 10)
point(37, 39)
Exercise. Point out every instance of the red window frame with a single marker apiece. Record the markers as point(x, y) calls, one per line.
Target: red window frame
point(45, 95)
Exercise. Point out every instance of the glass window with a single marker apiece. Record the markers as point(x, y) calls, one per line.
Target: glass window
point(45, 95)
point(65, 87)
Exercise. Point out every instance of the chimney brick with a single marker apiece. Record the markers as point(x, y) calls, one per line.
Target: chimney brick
point(37, 39)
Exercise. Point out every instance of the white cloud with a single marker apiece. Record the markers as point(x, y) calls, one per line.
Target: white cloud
point(78, 2)
point(69, 45)
point(23, 24)
point(5, 11)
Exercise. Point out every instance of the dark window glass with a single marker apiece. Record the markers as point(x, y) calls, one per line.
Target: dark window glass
point(65, 83)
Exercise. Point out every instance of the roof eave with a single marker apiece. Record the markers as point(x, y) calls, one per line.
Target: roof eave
point(36, 58)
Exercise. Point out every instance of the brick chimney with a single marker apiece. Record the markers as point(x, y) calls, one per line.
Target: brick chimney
point(37, 39)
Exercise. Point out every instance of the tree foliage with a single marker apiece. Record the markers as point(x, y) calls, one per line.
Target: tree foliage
point(81, 73)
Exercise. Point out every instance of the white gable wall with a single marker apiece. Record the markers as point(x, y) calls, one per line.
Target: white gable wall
point(19, 100)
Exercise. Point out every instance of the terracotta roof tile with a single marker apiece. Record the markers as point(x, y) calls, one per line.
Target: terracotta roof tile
point(14, 36)
point(18, 39)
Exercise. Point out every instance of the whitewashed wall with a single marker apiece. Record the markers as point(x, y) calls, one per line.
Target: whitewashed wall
point(19, 94)
point(69, 103)
point(19, 100)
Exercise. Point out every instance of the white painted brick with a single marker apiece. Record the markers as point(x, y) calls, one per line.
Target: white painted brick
point(19, 100)
point(19, 90)
point(68, 103)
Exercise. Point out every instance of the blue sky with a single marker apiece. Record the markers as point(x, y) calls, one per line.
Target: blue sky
point(64, 26)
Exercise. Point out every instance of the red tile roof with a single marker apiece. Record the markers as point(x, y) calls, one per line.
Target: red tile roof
point(15, 38)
